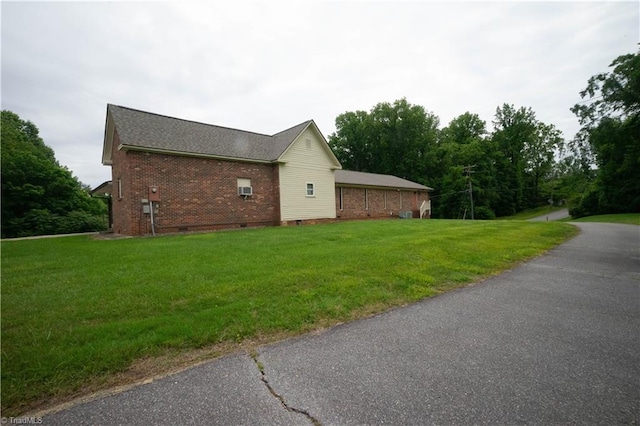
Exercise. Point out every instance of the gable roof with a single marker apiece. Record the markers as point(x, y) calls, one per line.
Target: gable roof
point(145, 131)
point(351, 178)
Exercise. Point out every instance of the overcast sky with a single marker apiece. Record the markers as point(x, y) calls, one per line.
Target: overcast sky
point(267, 66)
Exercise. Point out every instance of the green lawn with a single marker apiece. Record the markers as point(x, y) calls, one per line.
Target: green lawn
point(77, 311)
point(630, 218)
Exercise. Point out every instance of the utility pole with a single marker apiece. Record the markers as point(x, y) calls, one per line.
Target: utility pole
point(468, 170)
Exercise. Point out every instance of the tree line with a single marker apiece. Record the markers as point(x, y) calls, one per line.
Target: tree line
point(521, 163)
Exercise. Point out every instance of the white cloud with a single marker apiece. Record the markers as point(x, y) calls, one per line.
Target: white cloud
point(265, 66)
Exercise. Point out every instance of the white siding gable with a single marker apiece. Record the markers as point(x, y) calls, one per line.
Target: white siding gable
point(307, 161)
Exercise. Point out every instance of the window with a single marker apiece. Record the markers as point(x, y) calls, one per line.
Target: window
point(119, 188)
point(244, 187)
point(366, 199)
point(341, 198)
point(311, 189)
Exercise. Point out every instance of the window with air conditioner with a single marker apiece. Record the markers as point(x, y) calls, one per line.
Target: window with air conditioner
point(244, 187)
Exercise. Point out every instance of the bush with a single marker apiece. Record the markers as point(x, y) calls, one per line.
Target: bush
point(79, 221)
point(588, 205)
point(483, 213)
point(43, 222)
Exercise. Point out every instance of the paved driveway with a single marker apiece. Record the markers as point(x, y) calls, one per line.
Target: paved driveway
point(556, 215)
point(554, 341)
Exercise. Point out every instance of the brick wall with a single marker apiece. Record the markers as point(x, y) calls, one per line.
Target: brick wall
point(196, 194)
point(379, 203)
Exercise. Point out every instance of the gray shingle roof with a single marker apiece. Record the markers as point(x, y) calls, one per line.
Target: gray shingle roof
point(348, 178)
point(139, 129)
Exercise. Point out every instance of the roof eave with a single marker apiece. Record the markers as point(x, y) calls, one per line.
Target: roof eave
point(392, 188)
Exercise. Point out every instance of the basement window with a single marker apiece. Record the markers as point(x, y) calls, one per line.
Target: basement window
point(311, 189)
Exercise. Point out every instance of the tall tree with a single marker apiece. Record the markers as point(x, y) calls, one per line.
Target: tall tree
point(513, 130)
point(463, 143)
point(352, 141)
point(38, 195)
point(397, 138)
point(539, 160)
point(610, 119)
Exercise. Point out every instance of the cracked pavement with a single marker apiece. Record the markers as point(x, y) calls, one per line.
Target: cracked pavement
point(555, 340)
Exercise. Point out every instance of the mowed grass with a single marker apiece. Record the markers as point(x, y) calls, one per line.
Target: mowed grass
point(77, 310)
point(629, 218)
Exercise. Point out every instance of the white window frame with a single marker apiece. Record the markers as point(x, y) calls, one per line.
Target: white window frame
point(313, 189)
point(120, 189)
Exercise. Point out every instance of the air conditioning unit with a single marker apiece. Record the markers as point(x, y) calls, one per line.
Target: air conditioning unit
point(245, 190)
point(406, 215)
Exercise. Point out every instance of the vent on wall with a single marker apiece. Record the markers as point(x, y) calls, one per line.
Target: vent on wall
point(245, 190)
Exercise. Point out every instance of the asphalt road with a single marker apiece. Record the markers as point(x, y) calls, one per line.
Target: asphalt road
point(554, 341)
point(556, 215)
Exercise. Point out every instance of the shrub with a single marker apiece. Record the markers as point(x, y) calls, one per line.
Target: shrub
point(43, 222)
point(484, 213)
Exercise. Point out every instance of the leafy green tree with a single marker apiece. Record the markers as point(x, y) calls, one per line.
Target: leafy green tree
point(38, 195)
point(567, 181)
point(513, 130)
point(352, 142)
point(525, 149)
point(539, 161)
point(464, 143)
point(465, 129)
point(397, 138)
point(610, 134)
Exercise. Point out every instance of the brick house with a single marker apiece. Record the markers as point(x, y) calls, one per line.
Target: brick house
point(174, 175)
